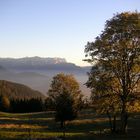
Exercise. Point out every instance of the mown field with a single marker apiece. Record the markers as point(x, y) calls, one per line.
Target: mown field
point(87, 126)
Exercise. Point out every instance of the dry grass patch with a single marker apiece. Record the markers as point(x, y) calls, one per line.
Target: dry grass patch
point(20, 126)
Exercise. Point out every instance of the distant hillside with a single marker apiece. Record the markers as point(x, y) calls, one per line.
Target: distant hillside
point(15, 90)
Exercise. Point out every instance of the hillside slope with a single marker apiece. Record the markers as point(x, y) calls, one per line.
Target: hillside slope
point(15, 90)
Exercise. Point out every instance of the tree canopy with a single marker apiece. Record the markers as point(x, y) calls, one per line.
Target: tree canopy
point(115, 55)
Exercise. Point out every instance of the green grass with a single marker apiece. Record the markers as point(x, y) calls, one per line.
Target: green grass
point(87, 126)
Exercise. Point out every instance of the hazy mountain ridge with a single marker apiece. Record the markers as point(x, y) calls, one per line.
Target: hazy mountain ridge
point(32, 61)
point(34, 80)
point(2, 69)
point(16, 90)
point(38, 64)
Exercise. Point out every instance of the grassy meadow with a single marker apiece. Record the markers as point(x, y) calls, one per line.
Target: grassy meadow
point(87, 126)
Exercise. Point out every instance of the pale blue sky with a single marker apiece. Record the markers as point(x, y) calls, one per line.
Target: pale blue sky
point(55, 28)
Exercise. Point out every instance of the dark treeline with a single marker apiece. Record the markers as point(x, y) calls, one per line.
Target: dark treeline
point(27, 105)
point(21, 105)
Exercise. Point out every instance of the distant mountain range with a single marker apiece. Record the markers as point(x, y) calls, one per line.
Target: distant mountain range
point(37, 72)
point(18, 91)
point(39, 61)
point(41, 64)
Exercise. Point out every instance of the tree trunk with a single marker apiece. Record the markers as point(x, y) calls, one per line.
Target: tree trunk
point(114, 124)
point(64, 131)
point(124, 118)
point(110, 120)
point(62, 124)
point(63, 128)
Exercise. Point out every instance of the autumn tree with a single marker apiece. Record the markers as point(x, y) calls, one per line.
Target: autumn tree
point(4, 103)
point(115, 55)
point(66, 97)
